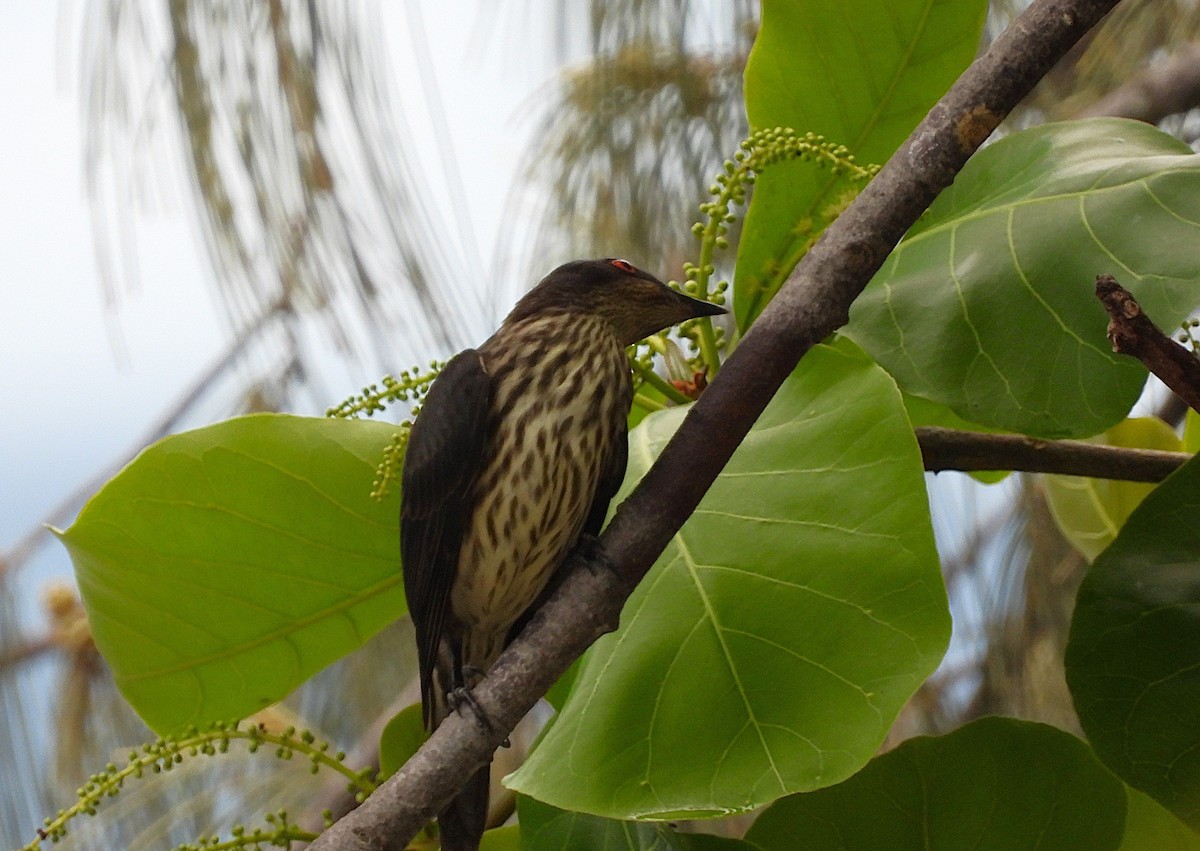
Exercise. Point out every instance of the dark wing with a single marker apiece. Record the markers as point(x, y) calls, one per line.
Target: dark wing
point(612, 474)
point(443, 459)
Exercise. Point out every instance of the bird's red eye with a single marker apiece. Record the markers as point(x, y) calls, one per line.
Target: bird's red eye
point(625, 266)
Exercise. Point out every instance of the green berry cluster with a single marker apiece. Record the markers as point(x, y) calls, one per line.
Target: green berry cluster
point(280, 833)
point(776, 144)
point(761, 150)
point(411, 385)
point(393, 460)
point(164, 754)
point(1187, 335)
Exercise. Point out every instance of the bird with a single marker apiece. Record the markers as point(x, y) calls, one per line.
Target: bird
point(511, 463)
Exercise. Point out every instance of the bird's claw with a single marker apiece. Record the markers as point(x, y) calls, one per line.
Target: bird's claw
point(592, 552)
point(460, 697)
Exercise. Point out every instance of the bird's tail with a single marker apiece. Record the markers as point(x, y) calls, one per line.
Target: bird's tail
point(462, 822)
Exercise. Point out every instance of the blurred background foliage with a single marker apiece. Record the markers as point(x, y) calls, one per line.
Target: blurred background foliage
point(322, 244)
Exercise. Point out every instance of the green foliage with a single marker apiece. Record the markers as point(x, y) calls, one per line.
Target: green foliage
point(1149, 827)
point(224, 566)
point(1090, 512)
point(769, 651)
point(863, 74)
point(1191, 432)
point(997, 783)
point(1133, 662)
point(993, 785)
point(765, 148)
point(986, 306)
point(546, 828)
point(401, 738)
point(502, 839)
point(776, 590)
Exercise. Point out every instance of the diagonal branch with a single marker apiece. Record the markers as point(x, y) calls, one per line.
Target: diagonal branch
point(814, 301)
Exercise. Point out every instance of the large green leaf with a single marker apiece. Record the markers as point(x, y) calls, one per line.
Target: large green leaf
point(1133, 660)
point(987, 306)
point(774, 641)
point(861, 73)
point(997, 783)
point(224, 566)
point(546, 828)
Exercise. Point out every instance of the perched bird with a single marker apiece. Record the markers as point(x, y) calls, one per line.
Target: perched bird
point(518, 449)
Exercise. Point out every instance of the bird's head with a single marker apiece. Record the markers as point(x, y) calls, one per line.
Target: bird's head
point(634, 303)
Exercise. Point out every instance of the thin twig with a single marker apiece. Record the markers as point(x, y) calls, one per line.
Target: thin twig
point(1132, 333)
point(26, 651)
point(951, 449)
point(1164, 88)
point(813, 303)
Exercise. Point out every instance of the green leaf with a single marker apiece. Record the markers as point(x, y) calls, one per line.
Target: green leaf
point(988, 304)
point(401, 738)
point(1133, 659)
point(224, 566)
point(502, 839)
point(557, 695)
point(863, 75)
point(1191, 432)
point(546, 828)
point(772, 644)
point(1090, 512)
point(997, 783)
point(1149, 827)
point(648, 398)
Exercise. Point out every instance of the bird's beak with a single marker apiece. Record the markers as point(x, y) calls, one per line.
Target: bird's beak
point(696, 308)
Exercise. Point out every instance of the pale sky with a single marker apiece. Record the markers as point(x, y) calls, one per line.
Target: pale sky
point(71, 404)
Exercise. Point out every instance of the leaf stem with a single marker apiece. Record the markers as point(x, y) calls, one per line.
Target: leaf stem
point(649, 404)
point(661, 384)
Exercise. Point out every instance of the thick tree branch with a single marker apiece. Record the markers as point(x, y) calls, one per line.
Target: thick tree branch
point(951, 449)
point(1132, 333)
point(814, 301)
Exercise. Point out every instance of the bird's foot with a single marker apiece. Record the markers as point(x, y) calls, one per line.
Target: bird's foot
point(592, 552)
point(461, 696)
point(596, 559)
